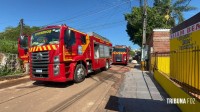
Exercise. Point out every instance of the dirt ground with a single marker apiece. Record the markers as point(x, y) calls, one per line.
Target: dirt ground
point(93, 94)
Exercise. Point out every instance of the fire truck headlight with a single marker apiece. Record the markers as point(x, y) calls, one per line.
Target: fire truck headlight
point(56, 69)
point(56, 59)
point(125, 58)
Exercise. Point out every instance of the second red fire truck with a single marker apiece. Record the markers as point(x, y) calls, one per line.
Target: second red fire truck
point(61, 53)
point(120, 54)
point(23, 54)
point(23, 48)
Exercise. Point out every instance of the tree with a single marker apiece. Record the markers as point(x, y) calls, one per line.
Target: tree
point(132, 53)
point(164, 14)
point(8, 43)
point(173, 9)
point(154, 20)
point(13, 33)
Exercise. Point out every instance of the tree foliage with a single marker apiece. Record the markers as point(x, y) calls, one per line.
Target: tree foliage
point(13, 33)
point(173, 8)
point(132, 53)
point(8, 46)
point(8, 38)
point(163, 14)
point(135, 23)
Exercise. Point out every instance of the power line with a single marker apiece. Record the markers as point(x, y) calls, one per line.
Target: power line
point(113, 14)
point(116, 11)
point(109, 16)
point(130, 4)
point(106, 2)
point(187, 3)
point(87, 14)
point(102, 25)
point(101, 28)
point(92, 20)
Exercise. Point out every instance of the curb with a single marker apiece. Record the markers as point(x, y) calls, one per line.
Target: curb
point(8, 81)
point(10, 77)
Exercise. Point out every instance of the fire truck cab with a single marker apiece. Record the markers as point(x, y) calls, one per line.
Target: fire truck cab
point(23, 48)
point(120, 54)
point(60, 54)
point(23, 45)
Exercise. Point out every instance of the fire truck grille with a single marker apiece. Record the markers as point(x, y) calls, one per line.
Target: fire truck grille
point(40, 61)
point(118, 57)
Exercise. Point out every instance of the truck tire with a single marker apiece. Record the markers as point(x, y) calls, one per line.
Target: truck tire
point(126, 64)
point(79, 73)
point(107, 66)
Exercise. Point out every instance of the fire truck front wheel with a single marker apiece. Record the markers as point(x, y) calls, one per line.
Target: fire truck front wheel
point(80, 73)
point(106, 66)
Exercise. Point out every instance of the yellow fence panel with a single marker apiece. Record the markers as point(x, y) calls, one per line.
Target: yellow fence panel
point(164, 65)
point(185, 55)
point(161, 62)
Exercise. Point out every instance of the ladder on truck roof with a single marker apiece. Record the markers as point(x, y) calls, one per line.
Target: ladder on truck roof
point(97, 35)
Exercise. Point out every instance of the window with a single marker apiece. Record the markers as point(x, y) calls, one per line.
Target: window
point(106, 51)
point(96, 51)
point(24, 42)
point(110, 51)
point(119, 50)
point(66, 36)
point(101, 51)
point(69, 37)
point(49, 36)
point(72, 38)
point(83, 39)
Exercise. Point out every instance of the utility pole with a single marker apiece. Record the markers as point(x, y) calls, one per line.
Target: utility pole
point(22, 37)
point(144, 35)
point(21, 27)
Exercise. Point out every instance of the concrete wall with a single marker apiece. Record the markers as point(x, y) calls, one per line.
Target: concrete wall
point(176, 92)
point(3, 59)
point(9, 62)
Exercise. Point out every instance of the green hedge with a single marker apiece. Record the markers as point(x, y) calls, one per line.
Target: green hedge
point(8, 46)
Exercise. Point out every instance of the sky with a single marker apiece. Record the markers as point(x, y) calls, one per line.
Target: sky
point(105, 17)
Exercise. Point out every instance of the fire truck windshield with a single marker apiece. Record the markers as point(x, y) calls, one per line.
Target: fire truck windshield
point(119, 50)
point(44, 37)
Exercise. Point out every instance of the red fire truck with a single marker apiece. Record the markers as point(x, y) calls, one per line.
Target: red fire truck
point(120, 54)
point(61, 53)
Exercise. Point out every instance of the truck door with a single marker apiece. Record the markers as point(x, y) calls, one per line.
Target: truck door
point(70, 41)
point(96, 56)
point(23, 47)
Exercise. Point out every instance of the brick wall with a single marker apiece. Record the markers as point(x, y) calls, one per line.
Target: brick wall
point(159, 40)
